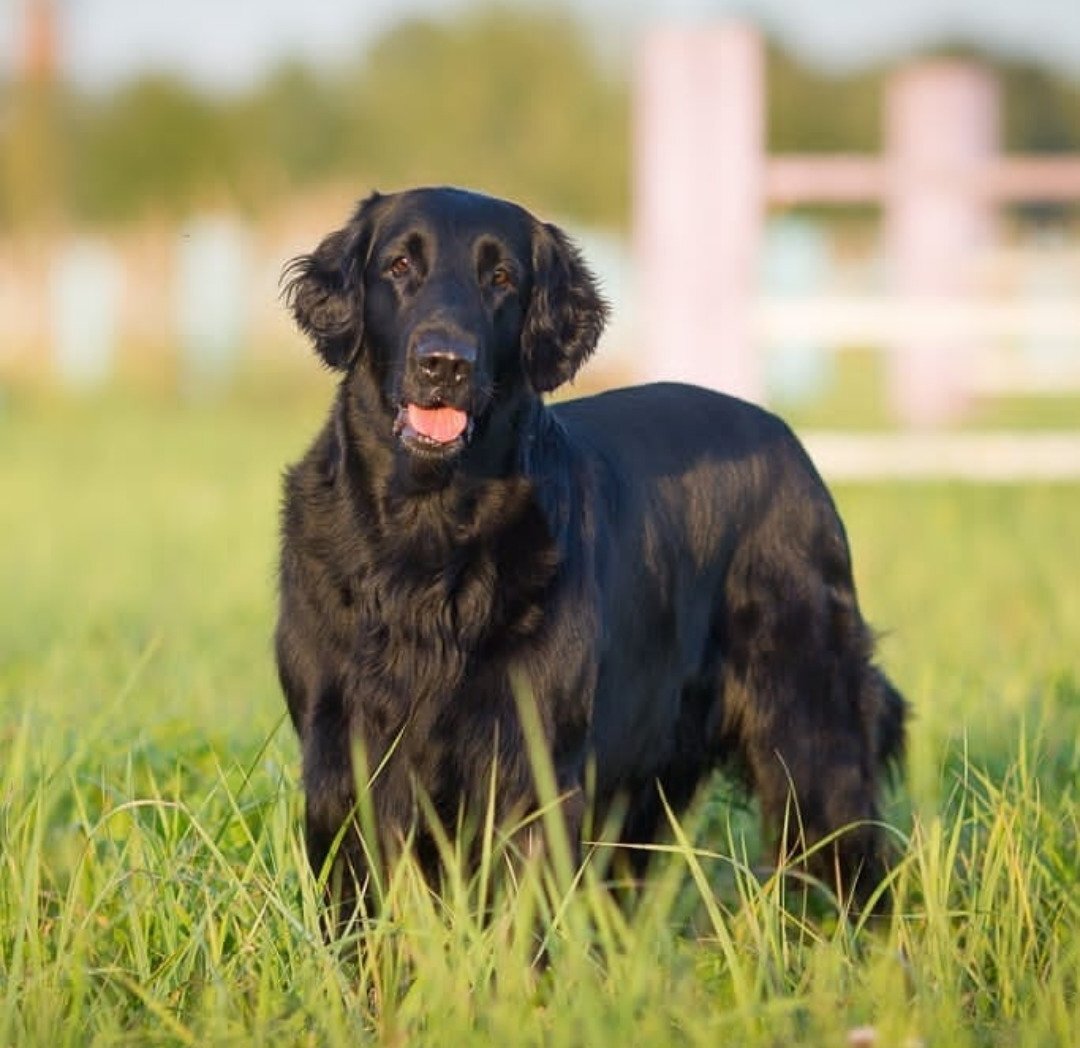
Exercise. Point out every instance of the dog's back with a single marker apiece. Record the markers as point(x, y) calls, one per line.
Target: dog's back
point(735, 630)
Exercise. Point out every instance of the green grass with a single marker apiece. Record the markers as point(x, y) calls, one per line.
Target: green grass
point(153, 888)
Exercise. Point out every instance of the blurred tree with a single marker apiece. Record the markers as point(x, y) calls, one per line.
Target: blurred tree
point(156, 145)
point(814, 112)
point(293, 131)
point(1041, 115)
point(512, 100)
point(506, 100)
point(1042, 110)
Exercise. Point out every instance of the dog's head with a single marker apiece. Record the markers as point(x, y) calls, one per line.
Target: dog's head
point(450, 300)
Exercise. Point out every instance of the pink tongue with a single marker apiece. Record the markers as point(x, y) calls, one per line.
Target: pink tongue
point(439, 424)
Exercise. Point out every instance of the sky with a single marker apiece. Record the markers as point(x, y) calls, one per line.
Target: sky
point(229, 44)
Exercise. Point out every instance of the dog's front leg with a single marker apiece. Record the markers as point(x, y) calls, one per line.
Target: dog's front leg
point(348, 817)
point(335, 848)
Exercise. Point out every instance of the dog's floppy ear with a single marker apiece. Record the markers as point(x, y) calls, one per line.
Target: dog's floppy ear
point(566, 311)
point(325, 289)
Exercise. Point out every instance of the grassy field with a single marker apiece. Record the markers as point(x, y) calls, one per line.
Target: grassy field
point(152, 882)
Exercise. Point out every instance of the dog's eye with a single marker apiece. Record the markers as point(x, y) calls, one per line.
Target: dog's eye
point(500, 277)
point(400, 267)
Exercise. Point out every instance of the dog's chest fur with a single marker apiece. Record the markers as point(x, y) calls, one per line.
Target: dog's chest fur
point(411, 595)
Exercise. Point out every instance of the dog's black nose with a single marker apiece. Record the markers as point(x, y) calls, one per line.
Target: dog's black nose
point(444, 362)
point(445, 370)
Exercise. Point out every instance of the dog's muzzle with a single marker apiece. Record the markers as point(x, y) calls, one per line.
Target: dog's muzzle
point(434, 418)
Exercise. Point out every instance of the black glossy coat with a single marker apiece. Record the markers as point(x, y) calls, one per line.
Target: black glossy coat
point(661, 567)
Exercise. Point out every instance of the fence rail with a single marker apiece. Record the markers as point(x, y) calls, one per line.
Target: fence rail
point(1001, 457)
point(863, 320)
point(852, 178)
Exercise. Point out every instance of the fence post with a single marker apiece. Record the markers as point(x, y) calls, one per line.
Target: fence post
point(85, 284)
point(941, 131)
point(211, 301)
point(698, 186)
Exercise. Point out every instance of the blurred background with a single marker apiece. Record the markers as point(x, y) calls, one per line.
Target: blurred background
point(867, 218)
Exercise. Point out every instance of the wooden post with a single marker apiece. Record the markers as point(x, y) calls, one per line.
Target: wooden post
point(28, 172)
point(942, 122)
point(698, 184)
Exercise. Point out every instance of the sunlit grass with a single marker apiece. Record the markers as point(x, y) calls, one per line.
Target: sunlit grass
point(153, 884)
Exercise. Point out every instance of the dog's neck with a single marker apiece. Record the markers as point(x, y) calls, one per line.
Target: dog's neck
point(438, 504)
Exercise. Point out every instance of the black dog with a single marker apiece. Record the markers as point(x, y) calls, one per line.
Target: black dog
point(660, 567)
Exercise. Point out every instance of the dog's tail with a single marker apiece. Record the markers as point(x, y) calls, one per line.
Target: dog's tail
point(892, 720)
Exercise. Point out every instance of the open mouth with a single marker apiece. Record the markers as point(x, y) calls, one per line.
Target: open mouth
point(438, 430)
